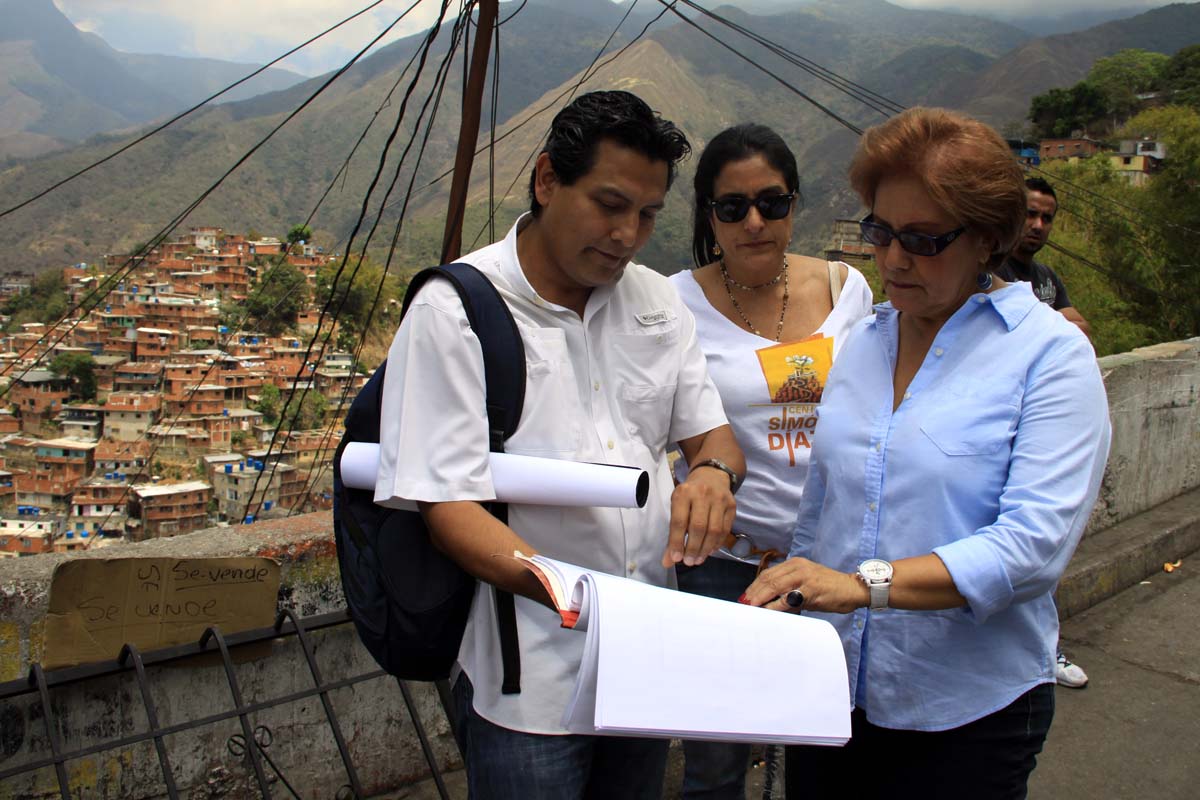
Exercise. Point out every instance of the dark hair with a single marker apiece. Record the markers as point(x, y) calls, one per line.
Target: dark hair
point(734, 144)
point(621, 117)
point(1041, 186)
point(966, 167)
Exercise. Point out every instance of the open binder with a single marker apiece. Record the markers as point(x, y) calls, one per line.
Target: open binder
point(662, 663)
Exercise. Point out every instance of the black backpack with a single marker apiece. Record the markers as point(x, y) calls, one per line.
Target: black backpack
point(410, 602)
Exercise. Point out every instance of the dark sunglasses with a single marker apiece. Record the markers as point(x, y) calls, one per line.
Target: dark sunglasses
point(734, 208)
point(919, 244)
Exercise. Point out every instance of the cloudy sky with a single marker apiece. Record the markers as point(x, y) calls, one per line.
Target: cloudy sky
point(259, 30)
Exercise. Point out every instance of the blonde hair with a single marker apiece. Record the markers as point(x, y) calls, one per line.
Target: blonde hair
point(965, 166)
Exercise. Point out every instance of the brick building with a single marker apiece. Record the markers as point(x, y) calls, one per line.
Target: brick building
point(168, 509)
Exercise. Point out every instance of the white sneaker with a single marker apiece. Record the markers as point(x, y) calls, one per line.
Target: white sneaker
point(1068, 674)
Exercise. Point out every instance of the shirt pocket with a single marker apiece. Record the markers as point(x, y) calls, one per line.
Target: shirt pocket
point(971, 426)
point(549, 423)
point(647, 410)
point(648, 356)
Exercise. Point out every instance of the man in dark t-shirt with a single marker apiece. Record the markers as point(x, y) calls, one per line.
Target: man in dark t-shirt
point(1042, 205)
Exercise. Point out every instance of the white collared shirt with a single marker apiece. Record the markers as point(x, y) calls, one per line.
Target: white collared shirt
point(614, 387)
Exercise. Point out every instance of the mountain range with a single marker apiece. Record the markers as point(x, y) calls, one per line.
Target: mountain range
point(59, 85)
point(984, 66)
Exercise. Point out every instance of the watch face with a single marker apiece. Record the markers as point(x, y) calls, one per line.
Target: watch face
point(876, 570)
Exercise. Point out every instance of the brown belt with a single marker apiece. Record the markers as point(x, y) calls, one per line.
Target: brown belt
point(765, 556)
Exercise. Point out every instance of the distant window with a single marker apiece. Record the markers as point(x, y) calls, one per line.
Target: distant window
point(1147, 147)
point(1127, 159)
point(1062, 147)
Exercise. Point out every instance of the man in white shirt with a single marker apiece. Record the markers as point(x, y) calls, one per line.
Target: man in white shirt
point(613, 373)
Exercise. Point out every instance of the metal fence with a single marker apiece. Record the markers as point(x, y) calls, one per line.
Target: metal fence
point(251, 745)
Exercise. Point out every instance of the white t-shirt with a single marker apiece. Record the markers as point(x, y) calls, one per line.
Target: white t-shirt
point(613, 388)
point(770, 392)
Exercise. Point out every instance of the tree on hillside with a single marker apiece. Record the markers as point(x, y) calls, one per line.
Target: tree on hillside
point(1173, 202)
point(1126, 74)
point(46, 301)
point(1059, 112)
point(268, 403)
point(81, 369)
point(306, 414)
point(277, 297)
point(355, 298)
point(298, 233)
point(1181, 75)
point(1142, 285)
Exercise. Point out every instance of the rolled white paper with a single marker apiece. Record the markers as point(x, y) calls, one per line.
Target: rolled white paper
point(527, 479)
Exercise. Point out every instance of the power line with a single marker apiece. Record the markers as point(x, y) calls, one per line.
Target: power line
point(804, 96)
point(867, 97)
point(138, 258)
point(326, 438)
point(1151, 218)
point(178, 417)
point(183, 114)
point(441, 72)
point(1147, 292)
point(591, 70)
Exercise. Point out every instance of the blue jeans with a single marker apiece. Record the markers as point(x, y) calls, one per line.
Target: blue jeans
point(988, 759)
point(716, 770)
point(510, 765)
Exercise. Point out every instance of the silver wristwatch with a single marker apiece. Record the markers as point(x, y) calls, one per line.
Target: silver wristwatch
point(877, 575)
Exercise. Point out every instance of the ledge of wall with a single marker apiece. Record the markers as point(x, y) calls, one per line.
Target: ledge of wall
point(1154, 405)
point(372, 715)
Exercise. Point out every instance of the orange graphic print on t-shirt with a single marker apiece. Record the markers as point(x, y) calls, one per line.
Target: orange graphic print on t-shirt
point(796, 371)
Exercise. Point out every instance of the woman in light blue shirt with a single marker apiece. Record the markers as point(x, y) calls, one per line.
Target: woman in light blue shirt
point(963, 436)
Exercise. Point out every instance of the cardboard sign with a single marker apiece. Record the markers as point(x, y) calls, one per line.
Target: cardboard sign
point(97, 605)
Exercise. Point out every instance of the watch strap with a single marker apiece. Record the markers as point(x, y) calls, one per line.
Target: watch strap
point(879, 594)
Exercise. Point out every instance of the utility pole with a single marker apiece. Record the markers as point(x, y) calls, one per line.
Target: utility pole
point(468, 132)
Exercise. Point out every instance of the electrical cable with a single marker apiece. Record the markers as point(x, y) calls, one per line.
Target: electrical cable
point(345, 396)
point(1057, 179)
point(183, 114)
point(178, 417)
point(439, 80)
point(867, 97)
point(794, 90)
point(519, 9)
point(1148, 293)
point(138, 258)
point(591, 70)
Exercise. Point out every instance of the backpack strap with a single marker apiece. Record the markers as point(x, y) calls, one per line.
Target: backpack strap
point(504, 387)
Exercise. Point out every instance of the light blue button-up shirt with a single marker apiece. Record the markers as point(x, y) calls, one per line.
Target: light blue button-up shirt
point(992, 461)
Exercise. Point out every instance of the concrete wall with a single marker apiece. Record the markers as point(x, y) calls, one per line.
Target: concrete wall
point(1154, 405)
point(372, 715)
point(1154, 396)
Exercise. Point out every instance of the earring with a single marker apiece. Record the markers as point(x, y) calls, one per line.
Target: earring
point(717, 250)
point(984, 281)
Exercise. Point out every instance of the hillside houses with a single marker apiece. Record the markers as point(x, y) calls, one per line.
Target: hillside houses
point(172, 440)
point(1135, 160)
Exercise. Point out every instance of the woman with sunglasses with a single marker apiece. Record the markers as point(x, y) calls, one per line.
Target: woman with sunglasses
point(769, 323)
point(963, 439)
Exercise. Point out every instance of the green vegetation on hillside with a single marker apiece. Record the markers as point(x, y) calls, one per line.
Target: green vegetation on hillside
point(1110, 92)
point(45, 302)
point(276, 298)
point(1145, 287)
point(355, 297)
point(81, 369)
